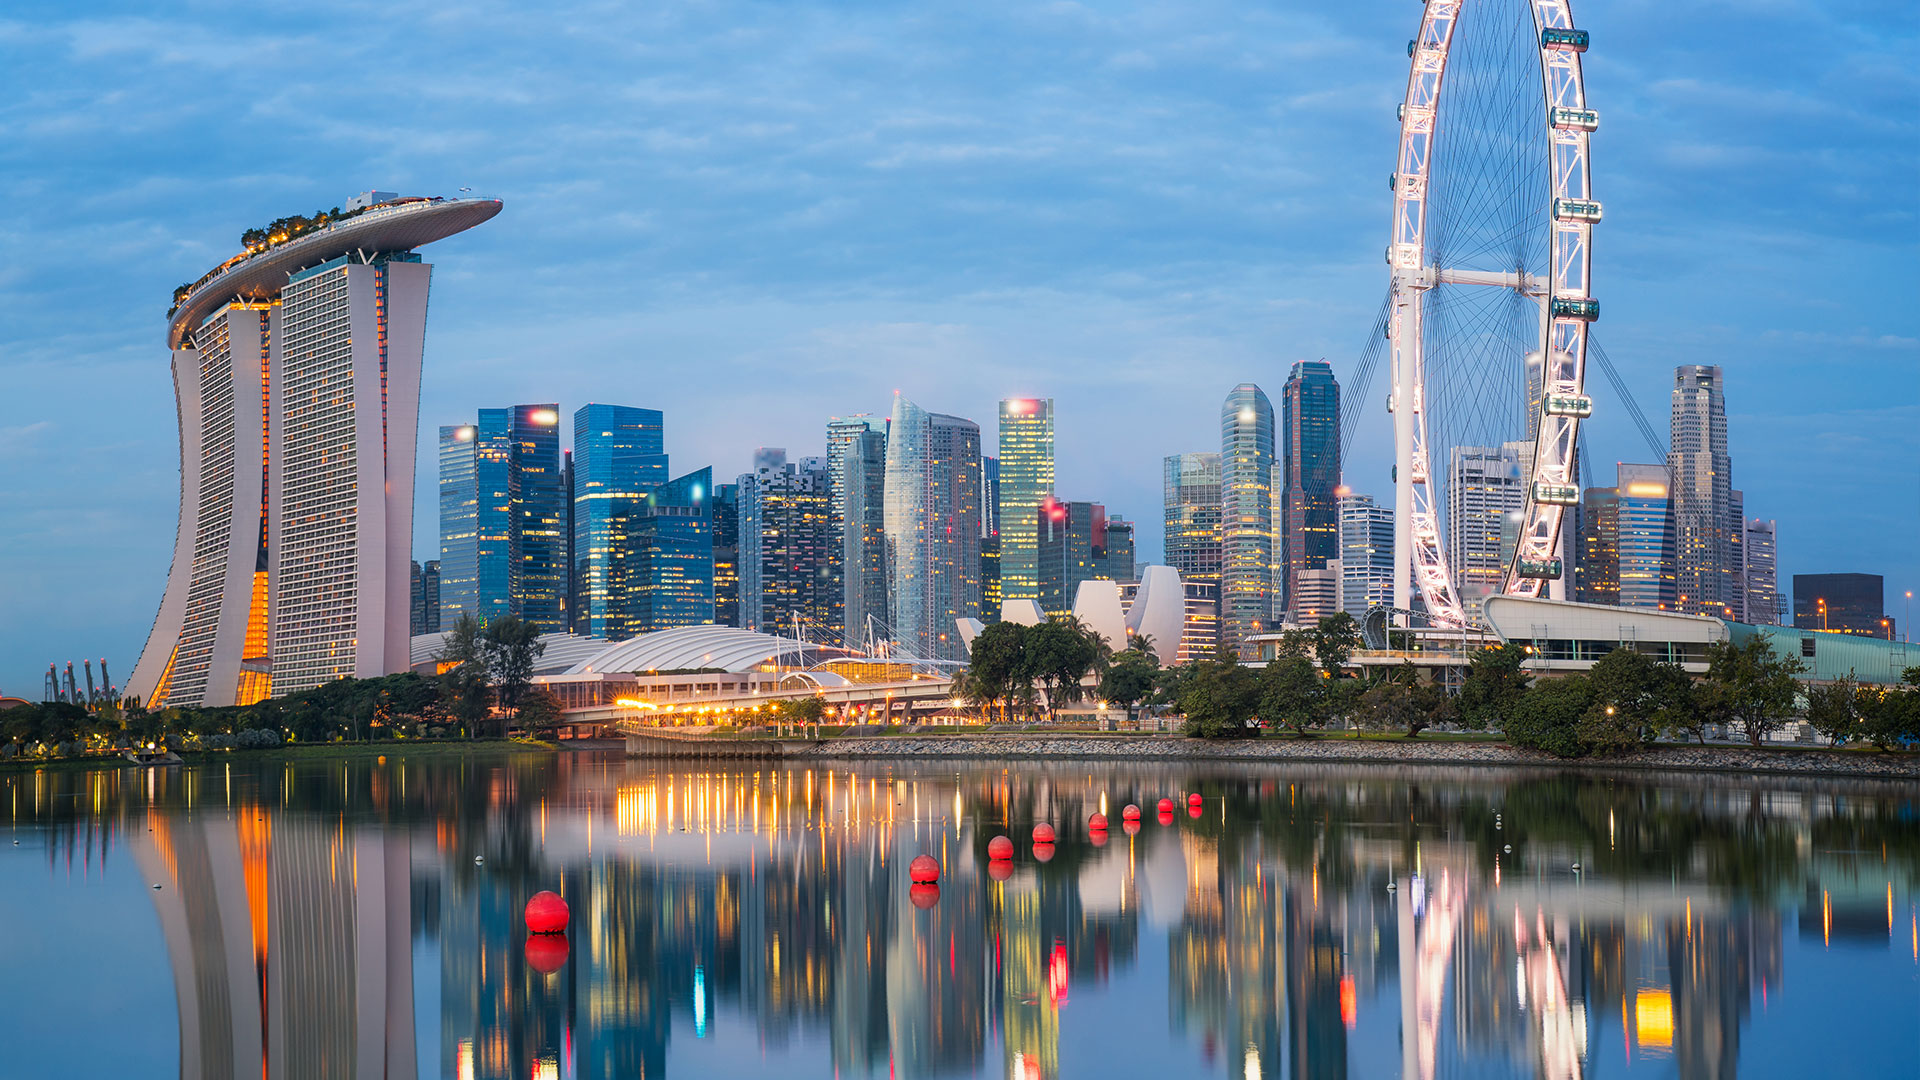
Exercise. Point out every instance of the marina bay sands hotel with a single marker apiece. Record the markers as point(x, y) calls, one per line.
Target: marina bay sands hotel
point(296, 365)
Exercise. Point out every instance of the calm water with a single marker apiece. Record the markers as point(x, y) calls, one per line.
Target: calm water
point(329, 920)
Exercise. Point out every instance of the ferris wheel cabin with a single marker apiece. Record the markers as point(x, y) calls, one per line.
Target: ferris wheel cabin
point(1583, 308)
point(1587, 210)
point(1556, 38)
point(1563, 119)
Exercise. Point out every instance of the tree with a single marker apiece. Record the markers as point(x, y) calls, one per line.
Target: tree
point(1636, 697)
point(1060, 652)
point(1834, 710)
point(1494, 683)
point(541, 710)
point(466, 683)
point(803, 711)
point(1548, 715)
point(1752, 685)
point(1334, 640)
point(1218, 697)
point(1129, 679)
point(513, 646)
point(1290, 693)
point(997, 665)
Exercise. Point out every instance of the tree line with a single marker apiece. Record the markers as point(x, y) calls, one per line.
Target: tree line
point(486, 685)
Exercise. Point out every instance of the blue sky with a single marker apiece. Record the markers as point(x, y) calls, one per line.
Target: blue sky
point(755, 216)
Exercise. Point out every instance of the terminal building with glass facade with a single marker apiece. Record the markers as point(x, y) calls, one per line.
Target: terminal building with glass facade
point(296, 368)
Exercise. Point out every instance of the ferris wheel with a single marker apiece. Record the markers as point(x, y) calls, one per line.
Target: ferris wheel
point(1491, 299)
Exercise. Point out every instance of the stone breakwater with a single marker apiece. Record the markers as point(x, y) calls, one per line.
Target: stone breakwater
point(1784, 762)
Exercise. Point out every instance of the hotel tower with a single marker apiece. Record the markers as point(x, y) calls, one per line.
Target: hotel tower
point(296, 366)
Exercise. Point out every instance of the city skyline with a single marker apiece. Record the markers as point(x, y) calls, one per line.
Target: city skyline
point(965, 326)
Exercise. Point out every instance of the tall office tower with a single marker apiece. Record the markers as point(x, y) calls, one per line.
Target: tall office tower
point(296, 367)
point(503, 517)
point(1366, 555)
point(1190, 489)
point(1117, 564)
point(1763, 575)
point(1845, 603)
point(787, 544)
point(990, 595)
point(842, 434)
point(863, 536)
point(1309, 515)
point(1644, 537)
point(1737, 512)
point(1078, 542)
point(1702, 492)
point(1596, 568)
point(1026, 479)
point(426, 597)
point(669, 564)
point(1247, 551)
point(932, 521)
point(619, 457)
point(726, 554)
point(1486, 485)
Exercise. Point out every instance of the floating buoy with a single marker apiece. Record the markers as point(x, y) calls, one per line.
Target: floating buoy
point(999, 849)
point(923, 870)
point(1097, 823)
point(1193, 799)
point(156, 884)
point(547, 953)
point(1043, 833)
point(1508, 849)
point(1000, 869)
point(477, 860)
point(547, 913)
point(1576, 868)
point(1391, 887)
point(1043, 852)
point(1166, 806)
point(1131, 813)
point(924, 895)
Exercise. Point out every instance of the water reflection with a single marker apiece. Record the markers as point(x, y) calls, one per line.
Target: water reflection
point(1315, 922)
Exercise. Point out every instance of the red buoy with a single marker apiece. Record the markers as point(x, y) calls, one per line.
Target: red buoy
point(1043, 833)
point(547, 913)
point(546, 953)
point(1131, 813)
point(924, 895)
point(1193, 799)
point(1166, 806)
point(923, 870)
point(1043, 852)
point(1097, 823)
point(1000, 869)
point(999, 848)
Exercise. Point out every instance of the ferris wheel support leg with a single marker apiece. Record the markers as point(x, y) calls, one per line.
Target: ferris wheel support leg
point(1404, 324)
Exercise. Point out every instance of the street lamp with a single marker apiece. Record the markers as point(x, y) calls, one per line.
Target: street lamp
point(1823, 613)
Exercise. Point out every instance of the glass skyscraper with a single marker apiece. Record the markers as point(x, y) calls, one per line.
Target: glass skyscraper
point(503, 513)
point(863, 535)
point(932, 522)
point(847, 436)
point(619, 458)
point(1026, 479)
point(1309, 515)
point(726, 554)
point(1247, 552)
point(788, 545)
point(1366, 555)
point(1645, 537)
point(1706, 525)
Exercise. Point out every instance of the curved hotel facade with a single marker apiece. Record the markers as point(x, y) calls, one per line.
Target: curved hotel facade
point(296, 366)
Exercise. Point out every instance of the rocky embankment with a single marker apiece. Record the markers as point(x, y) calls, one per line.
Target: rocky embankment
point(1661, 758)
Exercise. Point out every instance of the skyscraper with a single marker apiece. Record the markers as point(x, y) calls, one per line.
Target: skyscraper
point(503, 517)
point(1596, 570)
point(1763, 581)
point(932, 526)
point(1309, 520)
point(296, 367)
point(1704, 523)
point(1645, 537)
point(990, 595)
point(1844, 603)
point(669, 565)
point(1247, 550)
point(1079, 542)
point(863, 535)
point(843, 435)
point(1026, 479)
point(787, 545)
point(1366, 555)
point(426, 598)
point(1190, 490)
point(726, 554)
point(619, 464)
point(1486, 487)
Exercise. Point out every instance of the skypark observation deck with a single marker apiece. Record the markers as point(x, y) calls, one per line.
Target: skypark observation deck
point(401, 225)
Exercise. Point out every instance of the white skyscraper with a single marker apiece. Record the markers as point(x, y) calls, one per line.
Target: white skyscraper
point(1366, 555)
point(1486, 491)
point(296, 366)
